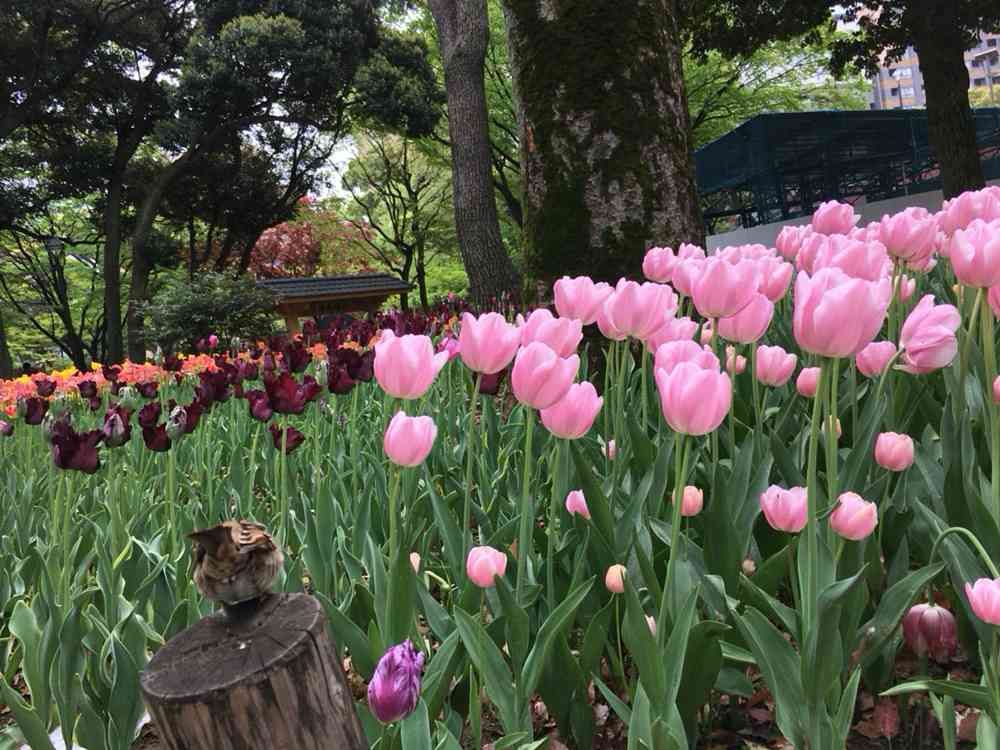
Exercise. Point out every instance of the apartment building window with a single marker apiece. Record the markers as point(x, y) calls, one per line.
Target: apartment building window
point(898, 73)
point(977, 62)
point(979, 82)
point(894, 92)
point(991, 42)
point(906, 91)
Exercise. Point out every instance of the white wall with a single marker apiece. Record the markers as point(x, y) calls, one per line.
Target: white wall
point(765, 234)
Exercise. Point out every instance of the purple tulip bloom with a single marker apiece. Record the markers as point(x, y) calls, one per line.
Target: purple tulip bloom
point(148, 389)
point(149, 415)
point(45, 387)
point(156, 438)
point(6, 428)
point(395, 687)
point(87, 388)
point(285, 394)
point(293, 438)
point(339, 381)
point(117, 429)
point(73, 450)
point(32, 409)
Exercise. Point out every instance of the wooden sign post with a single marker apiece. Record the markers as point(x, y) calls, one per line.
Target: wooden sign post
point(269, 680)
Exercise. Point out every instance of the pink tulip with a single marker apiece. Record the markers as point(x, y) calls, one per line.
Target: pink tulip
point(607, 327)
point(541, 377)
point(984, 598)
point(854, 518)
point(994, 300)
point(673, 353)
point(408, 440)
point(580, 298)
point(975, 254)
point(488, 343)
point(928, 628)
point(415, 561)
point(750, 323)
point(735, 363)
point(640, 309)
point(449, 345)
point(833, 217)
point(836, 315)
point(614, 579)
point(894, 452)
point(790, 240)
point(484, 565)
point(405, 366)
point(573, 415)
point(807, 382)
point(723, 289)
point(859, 260)
point(774, 365)
point(658, 264)
point(958, 213)
point(694, 401)
point(928, 336)
point(213, 341)
point(812, 246)
point(907, 288)
point(610, 450)
point(785, 510)
point(561, 335)
point(874, 358)
point(675, 329)
point(686, 273)
point(996, 391)
point(707, 332)
point(692, 501)
point(775, 276)
point(909, 235)
point(576, 504)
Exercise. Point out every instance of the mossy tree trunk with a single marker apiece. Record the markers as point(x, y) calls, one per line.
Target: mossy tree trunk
point(606, 158)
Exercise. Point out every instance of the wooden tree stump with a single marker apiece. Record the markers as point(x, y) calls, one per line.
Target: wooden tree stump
point(270, 680)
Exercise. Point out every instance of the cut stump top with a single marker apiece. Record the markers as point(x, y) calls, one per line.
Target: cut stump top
point(216, 654)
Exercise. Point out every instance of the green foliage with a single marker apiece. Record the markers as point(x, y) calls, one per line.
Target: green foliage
point(184, 311)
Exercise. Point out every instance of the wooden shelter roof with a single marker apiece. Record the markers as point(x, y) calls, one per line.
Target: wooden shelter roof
point(322, 288)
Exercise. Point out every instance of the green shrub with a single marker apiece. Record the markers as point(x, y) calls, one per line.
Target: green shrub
point(184, 311)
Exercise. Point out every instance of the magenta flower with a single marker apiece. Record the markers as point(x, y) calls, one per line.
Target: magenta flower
point(73, 450)
point(409, 440)
point(394, 690)
point(293, 438)
point(576, 504)
point(928, 628)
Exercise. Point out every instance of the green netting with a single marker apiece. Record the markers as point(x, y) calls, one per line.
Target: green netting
point(780, 166)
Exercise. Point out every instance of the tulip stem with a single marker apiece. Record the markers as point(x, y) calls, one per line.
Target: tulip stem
point(557, 489)
point(831, 435)
point(353, 439)
point(171, 500)
point(397, 477)
point(527, 508)
point(809, 592)
point(282, 490)
point(645, 393)
point(989, 356)
point(470, 451)
point(756, 388)
point(854, 402)
point(973, 539)
point(681, 450)
point(964, 359)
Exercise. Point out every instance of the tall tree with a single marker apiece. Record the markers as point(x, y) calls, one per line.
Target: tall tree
point(939, 30)
point(463, 36)
point(6, 363)
point(606, 156)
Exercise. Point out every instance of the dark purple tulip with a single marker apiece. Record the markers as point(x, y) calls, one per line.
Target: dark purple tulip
point(95, 403)
point(309, 328)
point(238, 390)
point(87, 388)
point(148, 389)
point(489, 385)
point(256, 353)
point(293, 438)
point(285, 394)
point(172, 363)
point(177, 423)
point(194, 410)
point(248, 370)
point(213, 386)
point(111, 373)
point(260, 407)
point(6, 428)
point(928, 628)
point(117, 429)
point(268, 364)
point(32, 409)
point(339, 381)
point(295, 356)
point(45, 387)
point(156, 438)
point(116, 387)
point(395, 687)
point(73, 450)
point(149, 415)
point(310, 388)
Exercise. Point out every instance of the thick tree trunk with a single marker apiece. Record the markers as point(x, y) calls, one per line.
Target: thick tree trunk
point(6, 363)
point(606, 157)
point(463, 34)
point(952, 129)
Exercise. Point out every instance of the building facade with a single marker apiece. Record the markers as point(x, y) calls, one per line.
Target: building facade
point(900, 84)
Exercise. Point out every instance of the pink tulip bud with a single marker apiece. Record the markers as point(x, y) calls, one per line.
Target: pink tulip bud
point(833, 217)
point(675, 329)
point(775, 276)
point(975, 254)
point(408, 440)
point(894, 452)
point(541, 377)
point(748, 566)
point(614, 579)
point(928, 628)
point(640, 309)
point(705, 337)
point(984, 598)
point(576, 504)
point(774, 365)
point(573, 415)
point(580, 298)
point(750, 323)
point(785, 510)
point(723, 289)
point(994, 300)
point(907, 288)
point(790, 240)
point(484, 564)
point(561, 335)
point(488, 343)
point(610, 450)
point(928, 336)
point(415, 561)
point(692, 501)
point(996, 391)
point(808, 382)
point(673, 353)
point(607, 326)
point(735, 363)
point(694, 401)
point(909, 235)
point(213, 341)
point(874, 358)
point(836, 315)
point(405, 366)
point(854, 518)
point(658, 265)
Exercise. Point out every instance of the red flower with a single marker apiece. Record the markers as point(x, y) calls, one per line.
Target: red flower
point(293, 438)
point(73, 450)
point(156, 438)
point(285, 394)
